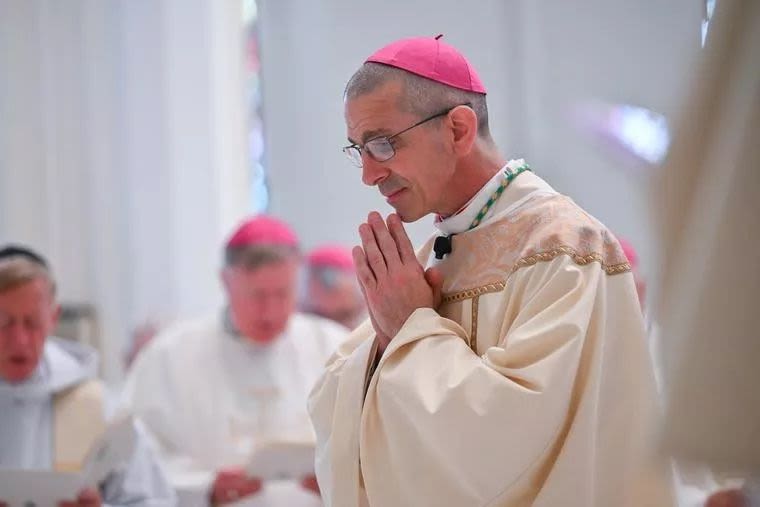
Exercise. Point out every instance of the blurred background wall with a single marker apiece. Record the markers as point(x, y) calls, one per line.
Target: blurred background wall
point(126, 146)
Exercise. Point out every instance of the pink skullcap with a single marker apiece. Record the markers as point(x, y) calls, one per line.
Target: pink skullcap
point(630, 253)
point(331, 256)
point(263, 230)
point(431, 58)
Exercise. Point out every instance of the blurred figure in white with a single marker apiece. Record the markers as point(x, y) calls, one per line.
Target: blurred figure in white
point(692, 482)
point(331, 289)
point(142, 336)
point(52, 406)
point(708, 203)
point(633, 260)
point(211, 390)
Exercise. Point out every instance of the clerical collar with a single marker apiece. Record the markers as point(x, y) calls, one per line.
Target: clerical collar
point(477, 209)
point(462, 220)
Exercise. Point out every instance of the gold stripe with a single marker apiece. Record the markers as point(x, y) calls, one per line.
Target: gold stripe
point(471, 293)
point(581, 260)
point(474, 332)
point(531, 260)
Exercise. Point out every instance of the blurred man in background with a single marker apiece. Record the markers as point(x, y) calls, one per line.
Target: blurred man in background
point(331, 290)
point(52, 406)
point(211, 390)
point(707, 199)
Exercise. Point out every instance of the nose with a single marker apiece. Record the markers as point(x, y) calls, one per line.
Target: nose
point(372, 171)
point(18, 335)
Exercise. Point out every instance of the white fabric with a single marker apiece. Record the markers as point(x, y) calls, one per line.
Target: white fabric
point(461, 221)
point(207, 395)
point(530, 385)
point(26, 427)
point(708, 197)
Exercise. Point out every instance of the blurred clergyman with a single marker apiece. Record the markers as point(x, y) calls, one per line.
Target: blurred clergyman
point(211, 389)
point(331, 289)
point(708, 201)
point(52, 406)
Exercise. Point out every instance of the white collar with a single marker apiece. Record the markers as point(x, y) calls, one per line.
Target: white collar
point(461, 221)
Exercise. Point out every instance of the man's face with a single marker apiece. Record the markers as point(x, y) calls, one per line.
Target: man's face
point(28, 315)
point(342, 302)
point(262, 300)
point(415, 179)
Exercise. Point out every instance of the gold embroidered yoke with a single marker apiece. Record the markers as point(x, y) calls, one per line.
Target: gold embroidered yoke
point(484, 259)
point(531, 384)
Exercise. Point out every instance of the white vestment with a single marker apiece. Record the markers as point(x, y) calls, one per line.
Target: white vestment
point(208, 395)
point(530, 385)
point(28, 429)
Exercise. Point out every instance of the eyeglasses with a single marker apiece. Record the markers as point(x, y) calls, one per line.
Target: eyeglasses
point(381, 148)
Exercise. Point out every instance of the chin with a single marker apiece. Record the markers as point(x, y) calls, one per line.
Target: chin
point(265, 337)
point(262, 339)
point(409, 217)
point(17, 375)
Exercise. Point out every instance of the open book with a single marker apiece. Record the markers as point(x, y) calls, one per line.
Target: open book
point(282, 459)
point(43, 488)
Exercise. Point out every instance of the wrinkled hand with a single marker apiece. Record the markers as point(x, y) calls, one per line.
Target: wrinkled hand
point(392, 280)
point(310, 483)
point(727, 498)
point(87, 498)
point(232, 484)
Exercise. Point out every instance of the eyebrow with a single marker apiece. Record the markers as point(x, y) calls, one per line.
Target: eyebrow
point(371, 134)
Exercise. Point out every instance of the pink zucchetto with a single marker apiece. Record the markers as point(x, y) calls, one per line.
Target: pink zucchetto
point(263, 230)
point(433, 59)
point(331, 256)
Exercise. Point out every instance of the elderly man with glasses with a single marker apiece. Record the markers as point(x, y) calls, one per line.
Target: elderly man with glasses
point(504, 363)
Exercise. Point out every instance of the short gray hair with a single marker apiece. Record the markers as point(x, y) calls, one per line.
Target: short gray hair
point(421, 96)
point(17, 270)
point(254, 256)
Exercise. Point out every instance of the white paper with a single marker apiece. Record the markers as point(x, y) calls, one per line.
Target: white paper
point(45, 488)
point(114, 447)
point(282, 459)
point(38, 488)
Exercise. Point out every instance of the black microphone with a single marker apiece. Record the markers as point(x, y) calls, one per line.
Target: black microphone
point(442, 246)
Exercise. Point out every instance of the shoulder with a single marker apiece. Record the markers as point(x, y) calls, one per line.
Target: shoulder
point(303, 323)
point(320, 335)
point(556, 226)
point(543, 229)
point(187, 332)
point(69, 363)
point(177, 344)
point(549, 227)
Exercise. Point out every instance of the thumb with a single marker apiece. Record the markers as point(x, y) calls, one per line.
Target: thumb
point(434, 278)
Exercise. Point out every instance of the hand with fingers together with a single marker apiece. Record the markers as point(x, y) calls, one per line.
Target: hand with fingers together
point(392, 280)
point(232, 484)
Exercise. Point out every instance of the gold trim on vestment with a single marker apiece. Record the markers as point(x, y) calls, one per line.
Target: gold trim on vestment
point(581, 260)
point(474, 331)
point(531, 260)
point(471, 293)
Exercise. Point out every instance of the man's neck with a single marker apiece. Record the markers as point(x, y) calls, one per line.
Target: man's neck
point(474, 171)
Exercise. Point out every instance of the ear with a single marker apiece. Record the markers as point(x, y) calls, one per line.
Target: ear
point(464, 124)
point(56, 315)
point(225, 276)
